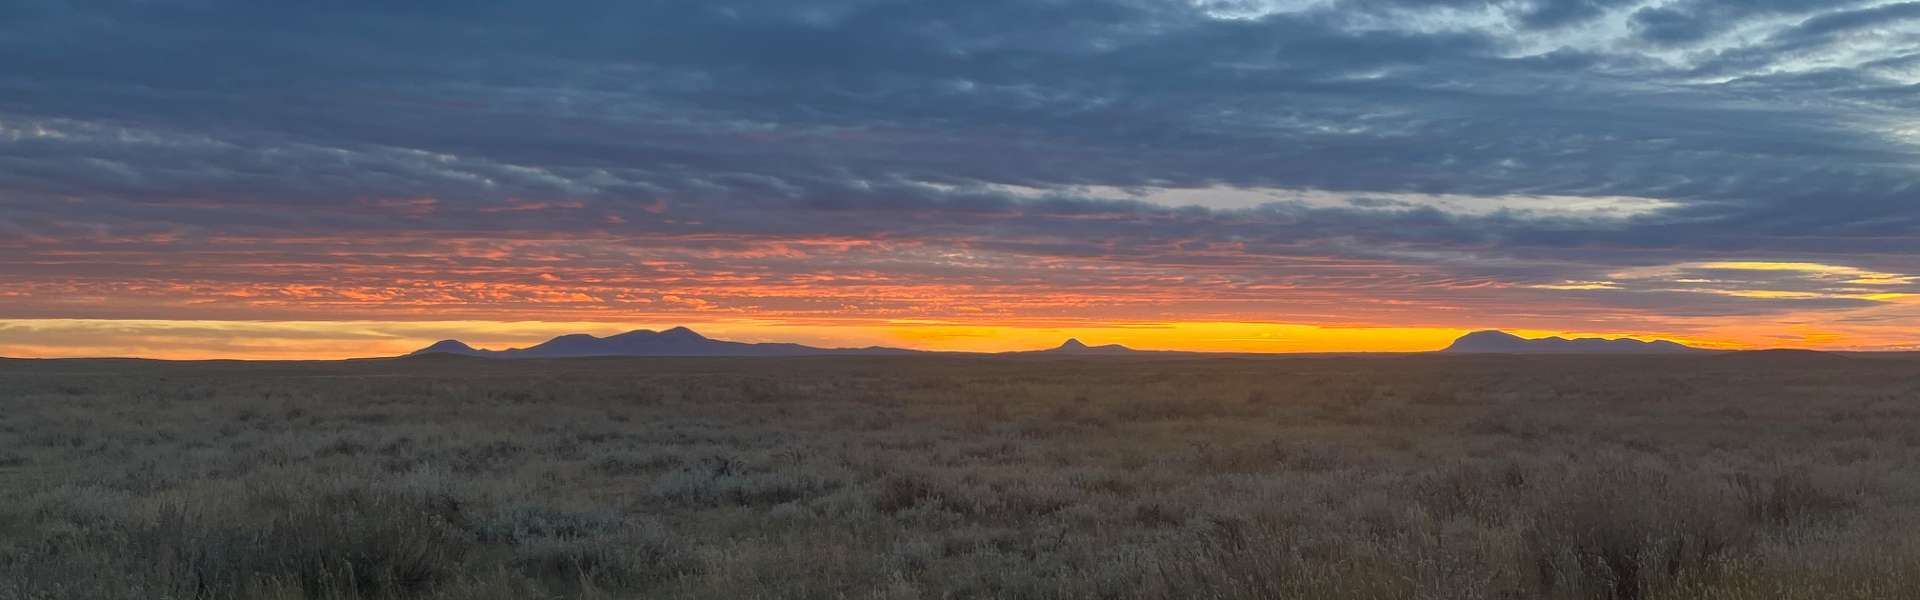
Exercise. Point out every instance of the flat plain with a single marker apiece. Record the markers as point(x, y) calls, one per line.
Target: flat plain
point(1749, 476)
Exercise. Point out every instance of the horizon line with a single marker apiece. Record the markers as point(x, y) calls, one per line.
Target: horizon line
point(1358, 349)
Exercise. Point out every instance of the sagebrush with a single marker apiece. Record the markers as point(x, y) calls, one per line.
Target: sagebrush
point(1751, 476)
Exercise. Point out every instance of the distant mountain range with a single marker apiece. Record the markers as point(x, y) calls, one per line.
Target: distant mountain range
point(681, 341)
point(678, 341)
point(1500, 342)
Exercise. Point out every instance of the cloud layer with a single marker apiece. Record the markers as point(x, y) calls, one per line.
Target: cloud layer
point(1549, 164)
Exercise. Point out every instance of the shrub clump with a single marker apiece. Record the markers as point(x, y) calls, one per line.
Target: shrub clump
point(356, 545)
point(1630, 532)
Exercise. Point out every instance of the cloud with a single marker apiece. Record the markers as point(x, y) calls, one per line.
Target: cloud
point(1546, 14)
point(1775, 280)
point(1688, 21)
point(1166, 159)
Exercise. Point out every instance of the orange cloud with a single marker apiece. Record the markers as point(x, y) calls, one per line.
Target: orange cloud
point(956, 294)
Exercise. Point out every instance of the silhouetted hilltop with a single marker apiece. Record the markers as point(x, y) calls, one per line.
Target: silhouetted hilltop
point(1500, 342)
point(1074, 346)
point(447, 347)
point(679, 341)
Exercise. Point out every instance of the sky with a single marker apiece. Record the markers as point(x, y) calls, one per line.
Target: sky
point(230, 179)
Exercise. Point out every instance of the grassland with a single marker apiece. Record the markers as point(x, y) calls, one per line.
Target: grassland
point(1741, 477)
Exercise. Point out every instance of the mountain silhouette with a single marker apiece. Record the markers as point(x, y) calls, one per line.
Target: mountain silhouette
point(1075, 347)
point(447, 347)
point(679, 341)
point(1500, 342)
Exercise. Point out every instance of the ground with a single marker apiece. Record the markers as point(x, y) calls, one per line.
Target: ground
point(1745, 476)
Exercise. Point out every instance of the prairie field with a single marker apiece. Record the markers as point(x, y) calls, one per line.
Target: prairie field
point(1754, 476)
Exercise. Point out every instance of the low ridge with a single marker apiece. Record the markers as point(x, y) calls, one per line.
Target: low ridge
point(1501, 342)
point(682, 341)
point(678, 341)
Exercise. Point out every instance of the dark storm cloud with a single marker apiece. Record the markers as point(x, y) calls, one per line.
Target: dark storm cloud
point(904, 120)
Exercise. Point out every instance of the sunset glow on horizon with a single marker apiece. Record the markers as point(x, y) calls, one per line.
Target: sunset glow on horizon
point(1337, 176)
point(329, 340)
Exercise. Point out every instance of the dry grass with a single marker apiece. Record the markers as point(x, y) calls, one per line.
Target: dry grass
point(1729, 477)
